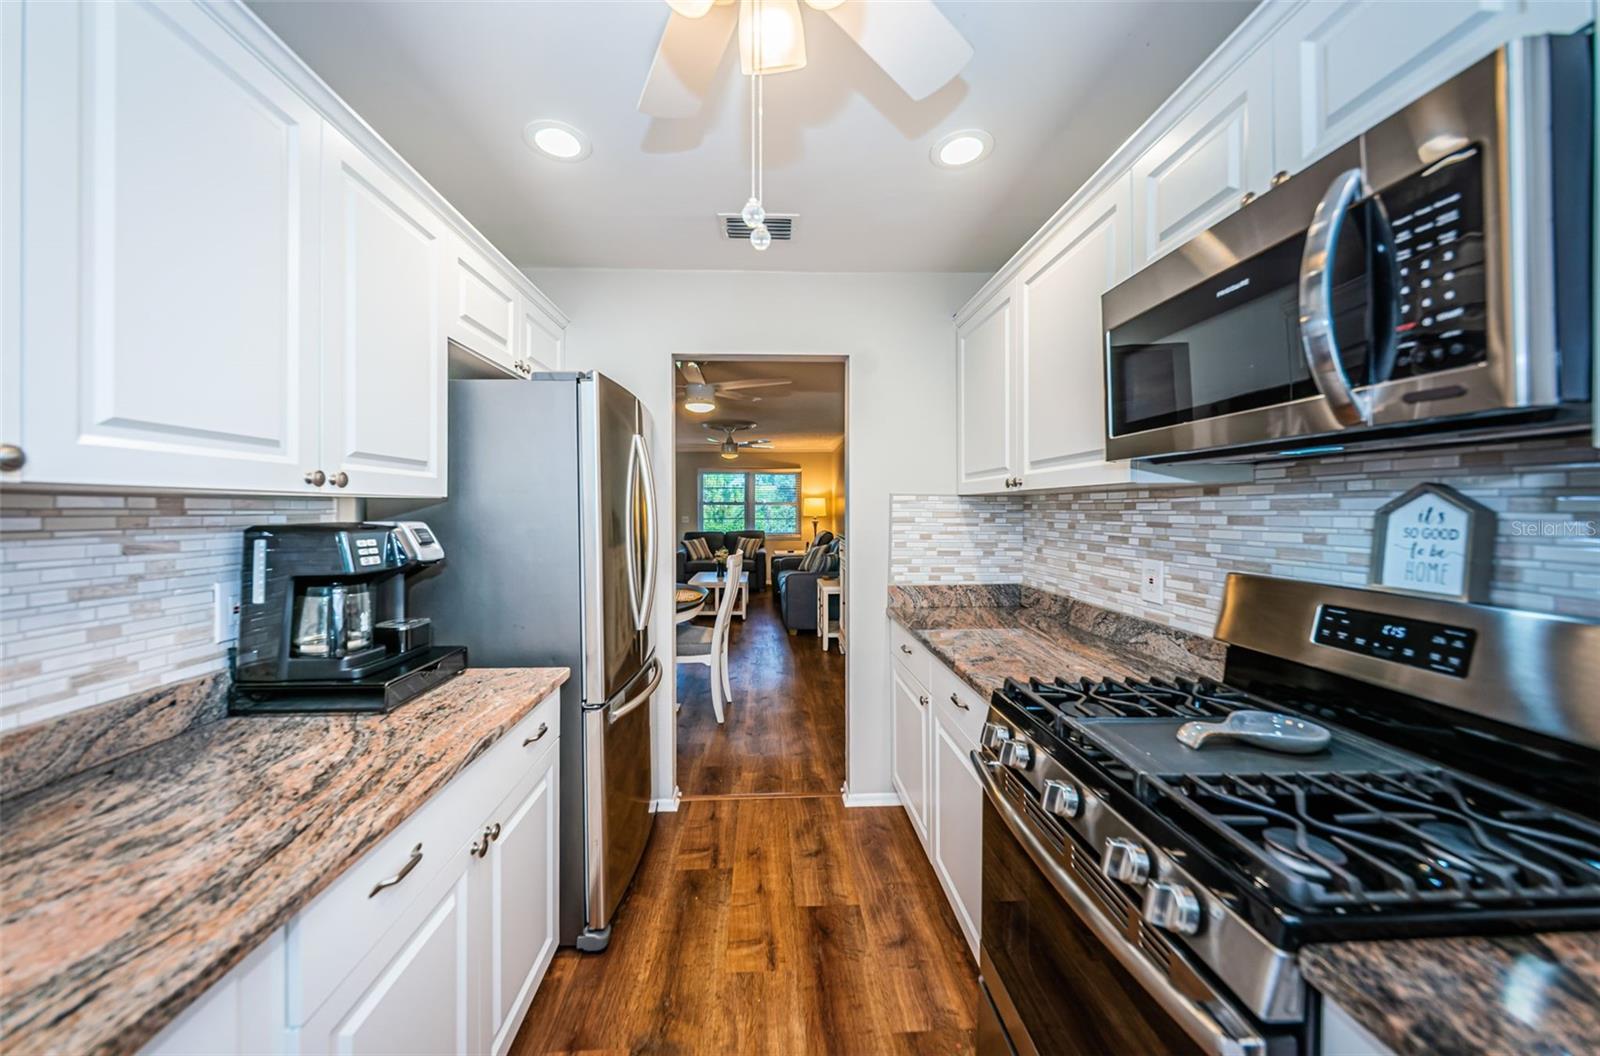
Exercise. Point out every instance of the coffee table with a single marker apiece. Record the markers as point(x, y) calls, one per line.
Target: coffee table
point(715, 584)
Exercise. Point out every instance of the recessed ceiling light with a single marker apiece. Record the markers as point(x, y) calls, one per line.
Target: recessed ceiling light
point(960, 149)
point(556, 139)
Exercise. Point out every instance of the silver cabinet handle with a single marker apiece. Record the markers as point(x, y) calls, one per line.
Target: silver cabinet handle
point(544, 728)
point(1249, 196)
point(340, 479)
point(490, 834)
point(1317, 338)
point(957, 702)
point(1280, 177)
point(316, 478)
point(405, 871)
point(11, 457)
point(905, 648)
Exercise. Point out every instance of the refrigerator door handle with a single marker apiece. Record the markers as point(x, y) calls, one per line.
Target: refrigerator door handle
point(641, 697)
point(652, 542)
point(633, 539)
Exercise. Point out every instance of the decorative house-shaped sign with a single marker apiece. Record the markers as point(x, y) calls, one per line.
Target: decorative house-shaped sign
point(1434, 540)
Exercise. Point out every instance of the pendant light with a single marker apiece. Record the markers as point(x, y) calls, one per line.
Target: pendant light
point(754, 213)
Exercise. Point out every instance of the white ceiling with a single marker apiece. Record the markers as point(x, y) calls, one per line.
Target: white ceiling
point(1058, 84)
point(805, 415)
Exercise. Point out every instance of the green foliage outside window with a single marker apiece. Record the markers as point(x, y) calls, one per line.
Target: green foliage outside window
point(732, 502)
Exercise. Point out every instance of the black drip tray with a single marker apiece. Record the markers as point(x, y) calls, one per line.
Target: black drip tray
point(384, 691)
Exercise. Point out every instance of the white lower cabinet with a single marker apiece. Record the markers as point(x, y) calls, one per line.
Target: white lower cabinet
point(911, 721)
point(958, 826)
point(521, 907)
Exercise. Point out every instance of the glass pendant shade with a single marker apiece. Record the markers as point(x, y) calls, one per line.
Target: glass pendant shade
point(752, 213)
point(760, 237)
point(782, 38)
point(690, 8)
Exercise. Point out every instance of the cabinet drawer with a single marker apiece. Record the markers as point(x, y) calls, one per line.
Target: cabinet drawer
point(912, 656)
point(331, 935)
point(958, 704)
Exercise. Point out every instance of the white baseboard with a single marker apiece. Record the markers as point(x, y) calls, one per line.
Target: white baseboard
point(872, 799)
point(664, 806)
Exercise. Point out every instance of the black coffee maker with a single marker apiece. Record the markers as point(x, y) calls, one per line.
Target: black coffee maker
point(323, 624)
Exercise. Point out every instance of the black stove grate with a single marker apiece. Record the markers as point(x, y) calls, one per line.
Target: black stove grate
point(1326, 840)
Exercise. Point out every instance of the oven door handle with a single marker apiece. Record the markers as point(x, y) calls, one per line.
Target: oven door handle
point(1196, 1020)
point(1317, 339)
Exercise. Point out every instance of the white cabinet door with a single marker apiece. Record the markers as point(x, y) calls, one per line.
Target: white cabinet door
point(242, 1013)
point(985, 387)
point(1062, 385)
point(170, 254)
point(1341, 68)
point(10, 238)
point(522, 877)
point(384, 351)
point(482, 306)
point(911, 720)
point(958, 828)
point(414, 995)
point(541, 338)
point(1199, 170)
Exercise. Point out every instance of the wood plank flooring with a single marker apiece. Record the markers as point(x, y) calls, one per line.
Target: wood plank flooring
point(777, 925)
point(785, 727)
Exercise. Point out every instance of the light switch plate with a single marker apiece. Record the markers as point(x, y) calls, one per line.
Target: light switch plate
point(224, 611)
point(1153, 581)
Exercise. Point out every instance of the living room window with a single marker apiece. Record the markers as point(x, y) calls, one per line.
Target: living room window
point(767, 500)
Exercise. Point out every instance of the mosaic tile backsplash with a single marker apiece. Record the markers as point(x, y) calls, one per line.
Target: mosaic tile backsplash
point(102, 596)
point(1306, 520)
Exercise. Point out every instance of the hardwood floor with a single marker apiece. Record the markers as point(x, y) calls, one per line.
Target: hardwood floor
point(785, 727)
point(769, 925)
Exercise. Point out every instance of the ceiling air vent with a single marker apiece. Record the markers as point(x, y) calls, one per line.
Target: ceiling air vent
point(781, 226)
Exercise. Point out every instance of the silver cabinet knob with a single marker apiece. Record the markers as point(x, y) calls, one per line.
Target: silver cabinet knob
point(1249, 196)
point(316, 478)
point(1016, 754)
point(923, 700)
point(905, 648)
point(1061, 799)
point(1280, 177)
point(993, 736)
point(11, 457)
point(1126, 861)
point(1173, 907)
point(340, 479)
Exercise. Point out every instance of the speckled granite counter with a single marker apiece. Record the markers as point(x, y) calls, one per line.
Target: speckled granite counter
point(986, 634)
point(1532, 994)
point(129, 888)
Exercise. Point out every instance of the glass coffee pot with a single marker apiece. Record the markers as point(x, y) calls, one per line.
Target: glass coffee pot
point(333, 620)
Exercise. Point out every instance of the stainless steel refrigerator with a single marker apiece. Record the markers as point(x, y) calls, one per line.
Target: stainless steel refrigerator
point(553, 534)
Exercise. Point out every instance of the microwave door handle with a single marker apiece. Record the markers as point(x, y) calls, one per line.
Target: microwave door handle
point(1216, 1025)
point(1317, 338)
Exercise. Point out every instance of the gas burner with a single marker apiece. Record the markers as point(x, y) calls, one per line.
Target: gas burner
point(1455, 848)
point(1300, 852)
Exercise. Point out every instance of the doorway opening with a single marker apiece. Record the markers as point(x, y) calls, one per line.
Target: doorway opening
point(759, 475)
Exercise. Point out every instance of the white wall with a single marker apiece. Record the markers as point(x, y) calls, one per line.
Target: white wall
point(896, 331)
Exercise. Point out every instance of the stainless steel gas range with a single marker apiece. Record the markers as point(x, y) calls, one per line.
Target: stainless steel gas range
point(1142, 895)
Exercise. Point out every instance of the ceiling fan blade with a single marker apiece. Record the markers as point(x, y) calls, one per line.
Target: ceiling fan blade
point(691, 373)
point(733, 386)
point(686, 59)
point(917, 46)
point(737, 396)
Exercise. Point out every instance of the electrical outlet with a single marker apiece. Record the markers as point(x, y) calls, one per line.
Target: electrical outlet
point(225, 611)
point(1153, 581)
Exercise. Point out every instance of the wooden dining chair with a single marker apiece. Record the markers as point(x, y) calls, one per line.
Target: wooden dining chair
point(699, 644)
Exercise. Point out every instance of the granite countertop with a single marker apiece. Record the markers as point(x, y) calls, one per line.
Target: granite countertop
point(988, 634)
point(131, 887)
point(1527, 994)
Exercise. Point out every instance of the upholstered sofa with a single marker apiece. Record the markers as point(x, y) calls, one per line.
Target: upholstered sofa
point(757, 566)
point(797, 590)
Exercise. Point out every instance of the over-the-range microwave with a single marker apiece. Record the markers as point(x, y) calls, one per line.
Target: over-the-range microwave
point(1430, 280)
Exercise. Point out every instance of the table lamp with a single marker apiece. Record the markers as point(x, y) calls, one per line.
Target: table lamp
point(814, 507)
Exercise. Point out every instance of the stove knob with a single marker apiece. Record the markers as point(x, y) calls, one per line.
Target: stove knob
point(1061, 799)
point(994, 735)
point(1126, 861)
point(1016, 754)
point(1173, 907)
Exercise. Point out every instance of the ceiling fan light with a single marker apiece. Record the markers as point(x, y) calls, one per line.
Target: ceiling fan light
point(690, 8)
point(699, 398)
point(783, 38)
point(697, 405)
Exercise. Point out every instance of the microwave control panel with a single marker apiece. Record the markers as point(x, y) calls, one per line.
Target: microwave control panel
point(1437, 217)
point(1415, 643)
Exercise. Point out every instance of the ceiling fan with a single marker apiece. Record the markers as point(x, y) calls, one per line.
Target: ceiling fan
point(917, 46)
point(700, 396)
point(727, 446)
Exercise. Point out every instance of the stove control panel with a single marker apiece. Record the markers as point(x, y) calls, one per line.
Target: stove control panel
point(1415, 643)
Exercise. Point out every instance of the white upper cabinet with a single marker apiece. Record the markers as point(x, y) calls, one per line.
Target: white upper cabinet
point(11, 451)
point(985, 391)
point(170, 255)
point(383, 345)
point(482, 307)
point(1063, 413)
point(1341, 68)
point(541, 338)
point(1200, 169)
